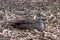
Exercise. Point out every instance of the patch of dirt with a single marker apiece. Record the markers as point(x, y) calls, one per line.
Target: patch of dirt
point(29, 19)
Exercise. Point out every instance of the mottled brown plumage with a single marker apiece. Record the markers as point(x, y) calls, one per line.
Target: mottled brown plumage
point(29, 23)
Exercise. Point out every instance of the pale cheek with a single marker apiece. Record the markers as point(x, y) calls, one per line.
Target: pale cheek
point(35, 17)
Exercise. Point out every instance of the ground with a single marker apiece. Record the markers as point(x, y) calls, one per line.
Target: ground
point(13, 10)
